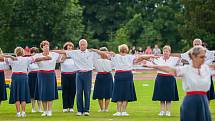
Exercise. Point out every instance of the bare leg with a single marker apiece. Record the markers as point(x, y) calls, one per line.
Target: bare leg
point(119, 106)
point(33, 104)
point(17, 106)
point(162, 105)
point(49, 105)
point(168, 105)
point(124, 105)
point(107, 101)
point(23, 106)
point(100, 101)
point(44, 105)
point(39, 105)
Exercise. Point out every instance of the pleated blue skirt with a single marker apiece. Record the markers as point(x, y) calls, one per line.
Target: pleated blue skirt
point(123, 87)
point(165, 89)
point(47, 86)
point(3, 92)
point(210, 93)
point(33, 84)
point(195, 108)
point(19, 90)
point(103, 87)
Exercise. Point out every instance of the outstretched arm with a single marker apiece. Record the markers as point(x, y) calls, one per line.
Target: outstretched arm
point(166, 69)
point(59, 51)
point(212, 66)
point(42, 58)
point(10, 56)
point(144, 57)
point(101, 53)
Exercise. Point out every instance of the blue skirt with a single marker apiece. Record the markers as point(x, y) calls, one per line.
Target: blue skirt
point(210, 93)
point(33, 84)
point(19, 89)
point(165, 89)
point(47, 86)
point(123, 87)
point(3, 92)
point(103, 86)
point(195, 108)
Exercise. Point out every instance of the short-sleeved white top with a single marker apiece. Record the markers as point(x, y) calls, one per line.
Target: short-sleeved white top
point(208, 56)
point(21, 64)
point(3, 65)
point(33, 67)
point(47, 64)
point(192, 81)
point(68, 66)
point(84, 60)
point(172, 62)
point(123, 62)
point(103, 65)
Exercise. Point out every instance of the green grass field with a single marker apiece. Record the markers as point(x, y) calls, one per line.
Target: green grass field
point(142, 110)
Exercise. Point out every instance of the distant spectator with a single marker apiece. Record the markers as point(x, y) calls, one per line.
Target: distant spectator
point(156, 50)
point(27, 51)
point(133, 50)
point(148, 50)
point(140, 50)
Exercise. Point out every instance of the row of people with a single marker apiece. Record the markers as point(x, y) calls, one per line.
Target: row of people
point(123, 63)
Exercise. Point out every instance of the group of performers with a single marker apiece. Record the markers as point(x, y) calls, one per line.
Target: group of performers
point(34, 79)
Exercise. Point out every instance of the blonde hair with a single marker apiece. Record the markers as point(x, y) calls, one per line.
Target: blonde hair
point(43, 43)
point(67, 44)
point(19, 51)
point(167, 47)
point(123, 48)
point(196, 51)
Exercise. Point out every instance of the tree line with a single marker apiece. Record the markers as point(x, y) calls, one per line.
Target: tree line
point(107, 22)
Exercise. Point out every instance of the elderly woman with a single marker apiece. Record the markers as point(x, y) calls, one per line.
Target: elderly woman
point(123, 88)
point(68, 76)
point(196, 82)
point(19, 92)
point(33, 81)
point(104, 82)
point(3, 65)
point(165, 89)
point(47, 83)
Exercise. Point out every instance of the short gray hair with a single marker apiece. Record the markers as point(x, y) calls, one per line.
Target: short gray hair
point(196, 51)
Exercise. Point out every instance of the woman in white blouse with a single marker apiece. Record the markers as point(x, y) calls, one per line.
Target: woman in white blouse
point(196, 82)
point(123, 88)
point(47, 83)
point(165, 88)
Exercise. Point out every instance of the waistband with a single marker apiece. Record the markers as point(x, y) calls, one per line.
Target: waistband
point(33, 71)
point(19, 73)
point(160, 74)
point(196, 92)
point(103, 73)
point(123, 71)
point(46, 71)
point(84, 70)
point(69, 72)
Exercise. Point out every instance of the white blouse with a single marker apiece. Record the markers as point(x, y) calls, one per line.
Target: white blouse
point(47, 64)
point(21, 64)
point(123, 62)
point(192, 81)
point(4, 66)
point(172, 62)
point(33, 67)
point(68, 66)
point(103, 65)
point(84, 60)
